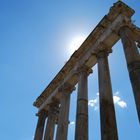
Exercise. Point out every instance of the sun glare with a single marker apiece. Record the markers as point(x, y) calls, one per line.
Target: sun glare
point(76, 43)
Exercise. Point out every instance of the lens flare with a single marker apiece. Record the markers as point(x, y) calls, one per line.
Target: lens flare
point(76, 43)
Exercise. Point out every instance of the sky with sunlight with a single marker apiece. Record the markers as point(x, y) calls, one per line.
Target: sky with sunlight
point(37, 38)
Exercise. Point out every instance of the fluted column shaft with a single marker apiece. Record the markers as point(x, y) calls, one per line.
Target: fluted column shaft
point(107, 111)
point(63, 120)
point(52, 117)
point(40, 125)
point(133, 63)
point(81, 130)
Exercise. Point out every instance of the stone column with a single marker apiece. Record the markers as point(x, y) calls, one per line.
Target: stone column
point(40, 125)
point(133, 63)
point(63, 119)
point(81, 128)
point(138, 44)
point(107, 111)
point(52, 118)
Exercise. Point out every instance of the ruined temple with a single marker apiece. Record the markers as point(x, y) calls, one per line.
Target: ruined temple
point(54, 102)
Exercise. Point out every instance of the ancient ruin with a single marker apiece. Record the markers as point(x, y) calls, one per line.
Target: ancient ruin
point(54, 102)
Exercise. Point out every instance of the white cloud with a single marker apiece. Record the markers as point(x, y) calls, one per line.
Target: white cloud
point(122, 104)
point(94, 103)
point(116, 99)
point(72, 123)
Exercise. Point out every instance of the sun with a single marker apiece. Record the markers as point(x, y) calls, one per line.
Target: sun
point(76, 43)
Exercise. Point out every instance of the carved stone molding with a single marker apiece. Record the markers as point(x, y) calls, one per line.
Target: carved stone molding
point(83, 69)
point(103, 53)
point(42, 112)
point(53, 111)
point(66, 88)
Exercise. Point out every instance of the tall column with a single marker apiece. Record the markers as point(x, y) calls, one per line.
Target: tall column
point(52, 118)
point(81, 128)
point(40, 125)
point(133, 63)
point(63, 119)
point(138, 44)
point(107, 111)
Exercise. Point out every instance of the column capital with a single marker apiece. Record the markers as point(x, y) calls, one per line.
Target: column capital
point(103, 53)
point(83, 69)
point(41, 112)
point(53, 107)
point(128, 31)
point(67, 87)
point(53, 110)
point(122, 28)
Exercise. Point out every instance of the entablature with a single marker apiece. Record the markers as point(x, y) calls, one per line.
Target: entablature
point(106, 32)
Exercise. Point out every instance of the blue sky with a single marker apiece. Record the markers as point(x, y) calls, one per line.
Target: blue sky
point(35, 38)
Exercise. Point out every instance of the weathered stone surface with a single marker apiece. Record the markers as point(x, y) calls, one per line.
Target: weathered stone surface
point(63, 119)
point(133, 63)
point(117, 23)
point(81, 129)
point(105, 31)
point(52, 117)
point(138, 45)
point(107, 111)
point(40, 125)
